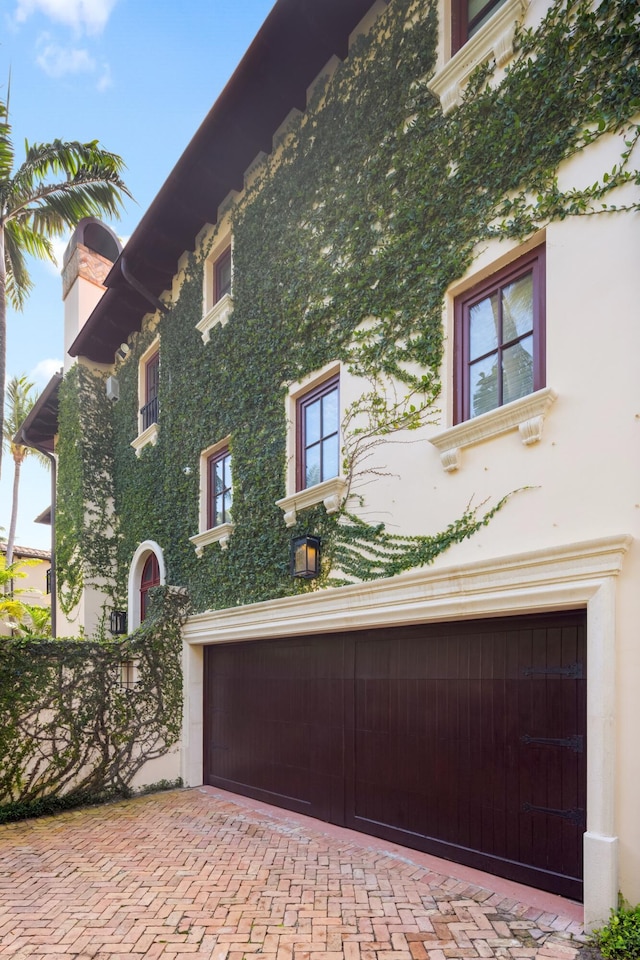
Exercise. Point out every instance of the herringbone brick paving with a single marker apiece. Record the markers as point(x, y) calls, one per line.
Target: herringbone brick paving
point(192, 874)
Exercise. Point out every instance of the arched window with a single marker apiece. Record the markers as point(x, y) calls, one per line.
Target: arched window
point(145, 571)
point(150, 578)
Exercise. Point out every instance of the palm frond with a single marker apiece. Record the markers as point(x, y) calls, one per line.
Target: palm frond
point(21, 397)
point(6, 145)
point(19, 283)
point(79, 163)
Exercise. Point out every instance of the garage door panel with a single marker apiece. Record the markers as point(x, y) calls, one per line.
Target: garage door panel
point(274, 714)
point(464, 740)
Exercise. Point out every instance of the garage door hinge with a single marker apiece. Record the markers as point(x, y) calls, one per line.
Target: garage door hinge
point(572, 672)
point(573, 743)
point(575, 815)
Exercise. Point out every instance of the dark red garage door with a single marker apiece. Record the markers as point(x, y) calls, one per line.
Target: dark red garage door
point(466, 740)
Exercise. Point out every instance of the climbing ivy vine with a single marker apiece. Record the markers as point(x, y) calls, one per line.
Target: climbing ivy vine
point(69, 727)
point(344, 248)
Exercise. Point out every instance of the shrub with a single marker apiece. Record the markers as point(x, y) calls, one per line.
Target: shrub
point(620, 939)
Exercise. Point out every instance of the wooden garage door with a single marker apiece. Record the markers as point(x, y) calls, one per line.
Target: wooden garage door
point(465, 740)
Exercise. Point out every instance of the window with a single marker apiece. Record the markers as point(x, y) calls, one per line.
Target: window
point(467, 16)
point(482, 31)
point(220, 493)
point(150, 578)
point(149, 410)
point(146, 570)
point(222, 275)
point(128, 675)
point(148, 397)
point(215, 523)
point(217, 303)
point(499, 338)
point(318, 426)
point(313, 445)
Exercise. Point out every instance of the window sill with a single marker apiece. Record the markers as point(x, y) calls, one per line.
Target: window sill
point(526, 414)
point(216, 317)
point(330, 492)
point(493, 41)
point(150, 435)
point(219, 534)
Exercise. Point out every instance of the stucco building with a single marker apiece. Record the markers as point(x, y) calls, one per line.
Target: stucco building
point(380, 304)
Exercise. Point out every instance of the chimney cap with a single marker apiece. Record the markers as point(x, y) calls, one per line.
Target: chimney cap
point(96, 236)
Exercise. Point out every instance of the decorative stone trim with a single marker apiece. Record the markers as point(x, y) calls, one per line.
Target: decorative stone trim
point(552, 578)
point(217, 316)
point(526, 414)
point(493, 41)
point(150, 435)
point(330, 492)
point(219, 534)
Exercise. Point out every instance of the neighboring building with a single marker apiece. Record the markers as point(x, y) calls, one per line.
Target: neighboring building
point(250, 374)
point(34, 588)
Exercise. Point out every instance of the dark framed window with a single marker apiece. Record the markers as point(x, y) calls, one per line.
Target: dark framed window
point(318, 435)
point(222, 275)
point(150, 578)
point(500, 338)
point(219, 488)
point(149, 411)
point(128, 675)
point(467, 16)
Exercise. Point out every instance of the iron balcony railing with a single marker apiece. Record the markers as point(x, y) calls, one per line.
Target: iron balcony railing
point(149, 413)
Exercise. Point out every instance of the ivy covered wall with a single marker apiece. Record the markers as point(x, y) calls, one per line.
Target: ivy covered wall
point(343, 248)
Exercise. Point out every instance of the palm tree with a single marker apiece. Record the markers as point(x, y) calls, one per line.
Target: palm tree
point(19, 403)
point(36, 206)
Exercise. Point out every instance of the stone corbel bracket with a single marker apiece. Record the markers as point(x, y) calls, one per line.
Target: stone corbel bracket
point(494, 41)
point(216, 317)
point(331, 493)
point(526, 414)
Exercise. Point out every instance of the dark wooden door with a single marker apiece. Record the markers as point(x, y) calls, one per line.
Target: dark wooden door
point(274, 721)
point(466, 740)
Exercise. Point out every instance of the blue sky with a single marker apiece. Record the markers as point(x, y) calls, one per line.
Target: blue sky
point(137, 75)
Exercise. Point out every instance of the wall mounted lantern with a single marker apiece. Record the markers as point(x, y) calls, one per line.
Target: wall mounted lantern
point(118, 622)
point(305, 557)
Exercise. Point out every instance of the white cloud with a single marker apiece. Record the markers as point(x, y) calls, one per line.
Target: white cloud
point(57, 61)
point(105, 80)
point(59, 245)
point(88, 16)
point(43, 371)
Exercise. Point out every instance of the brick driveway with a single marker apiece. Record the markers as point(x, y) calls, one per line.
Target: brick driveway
point(201, 873)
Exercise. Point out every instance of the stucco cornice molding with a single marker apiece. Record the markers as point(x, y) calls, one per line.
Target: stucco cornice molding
point(552, 578)
point(216, 317)
point(494, 41)
point(219, 534)
point(526, 415)
point(150, 435)
point(330, 492)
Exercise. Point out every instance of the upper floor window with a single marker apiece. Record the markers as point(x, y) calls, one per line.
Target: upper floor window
point(220, 491)
point(222, 275)
point(148, 397)
point(318, 425)
point(149, 410)
point(217, 302)
point(215, 521)
point(499, 338)
point(467, 16)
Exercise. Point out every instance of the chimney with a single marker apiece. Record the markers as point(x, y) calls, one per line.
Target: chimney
point(90, 255)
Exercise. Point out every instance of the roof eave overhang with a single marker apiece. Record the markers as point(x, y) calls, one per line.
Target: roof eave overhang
point(296, 40)
point(41, 425)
